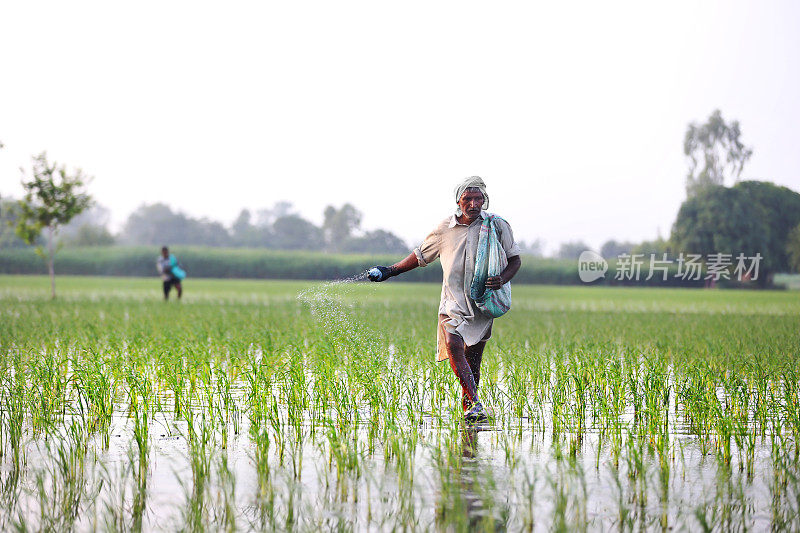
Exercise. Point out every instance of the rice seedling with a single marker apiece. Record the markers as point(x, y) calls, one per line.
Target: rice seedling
point(287, 405)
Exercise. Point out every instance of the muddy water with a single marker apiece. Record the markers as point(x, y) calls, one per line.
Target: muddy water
point(342, 469)
point(422, 477)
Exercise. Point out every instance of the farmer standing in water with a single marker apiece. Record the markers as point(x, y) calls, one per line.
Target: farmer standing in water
point(463, 327)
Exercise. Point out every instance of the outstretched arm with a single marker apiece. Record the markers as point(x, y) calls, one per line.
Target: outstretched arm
point(495, 282)
point(409, 263)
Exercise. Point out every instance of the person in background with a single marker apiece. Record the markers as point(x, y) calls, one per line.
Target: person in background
point(171, 273)
point(463, 327)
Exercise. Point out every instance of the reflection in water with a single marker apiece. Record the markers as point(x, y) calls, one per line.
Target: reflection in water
point(473, 504)
point(468, 499)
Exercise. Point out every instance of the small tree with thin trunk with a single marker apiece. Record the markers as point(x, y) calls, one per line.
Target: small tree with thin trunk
point(52, 199)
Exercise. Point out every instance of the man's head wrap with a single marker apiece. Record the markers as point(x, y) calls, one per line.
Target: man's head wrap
point(468, 183)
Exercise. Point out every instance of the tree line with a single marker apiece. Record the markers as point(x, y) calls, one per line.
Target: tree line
point(749, 217)
point(278, 227)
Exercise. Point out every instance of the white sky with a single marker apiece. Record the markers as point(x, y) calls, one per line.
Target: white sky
point(573, 113)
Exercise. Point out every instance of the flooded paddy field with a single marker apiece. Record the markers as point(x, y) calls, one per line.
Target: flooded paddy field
point(257, 405)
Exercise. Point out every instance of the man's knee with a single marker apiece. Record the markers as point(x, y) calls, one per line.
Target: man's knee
point(475, 349)
point(455, 344)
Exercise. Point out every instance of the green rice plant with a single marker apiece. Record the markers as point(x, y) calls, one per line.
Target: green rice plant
point(140, 392)
point(62, 487)
point(197, 511)
point(96, 389)
point(345, 421)
point(226, 517)
point(47, 376)
point(790, 381)
point(12, 417)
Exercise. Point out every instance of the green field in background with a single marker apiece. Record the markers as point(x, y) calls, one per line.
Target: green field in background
point(529, 297)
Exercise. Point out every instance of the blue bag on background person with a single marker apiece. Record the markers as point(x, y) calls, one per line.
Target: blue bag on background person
point(177, 271)
point(490, 260)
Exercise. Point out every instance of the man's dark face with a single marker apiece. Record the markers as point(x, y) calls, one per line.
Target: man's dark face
point(164, 253)
point(471, 203)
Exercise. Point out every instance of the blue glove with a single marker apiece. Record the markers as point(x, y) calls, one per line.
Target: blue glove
point(379, 273)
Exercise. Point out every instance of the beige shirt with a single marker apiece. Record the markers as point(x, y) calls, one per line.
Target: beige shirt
point(455, 245)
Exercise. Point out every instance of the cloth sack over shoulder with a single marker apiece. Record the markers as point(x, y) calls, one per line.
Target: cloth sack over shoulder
point(490, 260)
point(177, 271)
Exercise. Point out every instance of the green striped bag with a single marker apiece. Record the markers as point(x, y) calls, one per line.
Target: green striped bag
point(490, 261)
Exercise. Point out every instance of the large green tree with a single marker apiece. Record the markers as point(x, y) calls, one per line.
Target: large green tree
point(157, 224)
point(89, 228)
point(572, 249)
point(339, 224)
point(779, 209)
point(52, 198)
point(793, 249)
point(612, 248)
point(245, 233)
point(242, 229)
point(377, 242)
point(715, 153)
point(293, 232)
point(752, 217)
